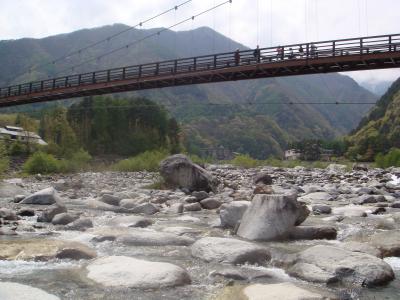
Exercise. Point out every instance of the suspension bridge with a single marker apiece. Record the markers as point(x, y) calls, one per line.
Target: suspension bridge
point(341, 55)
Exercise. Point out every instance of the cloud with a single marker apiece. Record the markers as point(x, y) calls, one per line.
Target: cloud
point(250, 22)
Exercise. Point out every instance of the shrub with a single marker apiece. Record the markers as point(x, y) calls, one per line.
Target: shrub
point(79, 161)
point(146, 161)
point(199, 160)
point(42, 163)
point(391, 159)
point(245, 161)
point(4, 160)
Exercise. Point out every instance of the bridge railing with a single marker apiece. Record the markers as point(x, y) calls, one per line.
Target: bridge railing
point(305, 51)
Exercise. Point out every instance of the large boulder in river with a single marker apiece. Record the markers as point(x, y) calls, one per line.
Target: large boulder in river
point(122, 271)
point(17, 291)
point(388, 242)
point(271, 217)
point(329, 264)
point(231, 213)
point(43, 197)
point(232, 251)
point(179, 171)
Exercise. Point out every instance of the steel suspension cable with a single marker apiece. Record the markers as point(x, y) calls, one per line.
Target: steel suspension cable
point(107, 39)
point(145, 37)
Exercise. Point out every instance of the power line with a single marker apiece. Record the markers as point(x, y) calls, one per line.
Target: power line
point(144, 38)
point(107, 39)
point(174, 105)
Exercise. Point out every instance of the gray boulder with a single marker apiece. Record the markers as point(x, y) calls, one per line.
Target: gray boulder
point(263, 178)
point(313, 233)
point(80, 224)
point(231, 213)
point(200, 195)
point(232, 251)
point(388, 242)
point(192, 207)
point(122, 271)
point(17, 291)
point(47, 196)
point(271, 217)
point(153, 238)
point(10, 190)
point(110, 199)
point(8, 214)
point(130, 221)
point(321, 209)
point(175, 208)
point(281, 291)
point(63, 219)
point(145, 208)
point(49, 212)
point(179, 171)
point(210, 203)
point(132, 203)
point(330, 263)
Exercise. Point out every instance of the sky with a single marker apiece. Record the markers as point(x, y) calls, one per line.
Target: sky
point(250, 22)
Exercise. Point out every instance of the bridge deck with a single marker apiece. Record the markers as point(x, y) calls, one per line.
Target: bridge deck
point(366, 53)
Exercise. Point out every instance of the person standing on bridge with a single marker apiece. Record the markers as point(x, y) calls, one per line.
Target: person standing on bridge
point(237, 57)
point(257, 54)
point(314, 51)
point(301, 51)
point(280, 52)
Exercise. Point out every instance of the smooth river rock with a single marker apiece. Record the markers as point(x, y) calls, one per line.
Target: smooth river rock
point(142, 237)
point(388, 242)
point(122, 271)
point(231, 213)
point(232, 251)
point(46, 196)
point(130, 221)
point(330, 264)
point(42, 250)
point(281, 291)
point(16, 291)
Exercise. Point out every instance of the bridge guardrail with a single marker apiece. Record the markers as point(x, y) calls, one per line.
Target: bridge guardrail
point(333, 48)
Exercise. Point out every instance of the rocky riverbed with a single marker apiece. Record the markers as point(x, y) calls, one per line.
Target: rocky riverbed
point(263, 233)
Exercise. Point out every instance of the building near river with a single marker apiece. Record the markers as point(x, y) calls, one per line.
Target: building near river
point(292, 154)
point(19, 134)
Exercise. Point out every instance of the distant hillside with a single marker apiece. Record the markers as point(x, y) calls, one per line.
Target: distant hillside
point(245, 116)
point(378, 88)
point(380, 130)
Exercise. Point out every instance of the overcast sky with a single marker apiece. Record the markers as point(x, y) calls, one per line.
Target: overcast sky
point(274, 22)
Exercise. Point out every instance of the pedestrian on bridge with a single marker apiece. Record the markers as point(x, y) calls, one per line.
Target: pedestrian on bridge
point(301, 51)
point(257, 54)
point(237, 57)
point(280, 52)
point(314, 51)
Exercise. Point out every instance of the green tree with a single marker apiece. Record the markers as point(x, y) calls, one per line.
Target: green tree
point(55, 129)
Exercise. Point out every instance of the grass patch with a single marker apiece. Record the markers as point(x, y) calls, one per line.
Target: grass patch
point(157, 185)
point(246, 161)
point(146, 161)
point(391, 159)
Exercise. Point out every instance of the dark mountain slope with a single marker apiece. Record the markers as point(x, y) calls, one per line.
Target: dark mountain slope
point(380, 130)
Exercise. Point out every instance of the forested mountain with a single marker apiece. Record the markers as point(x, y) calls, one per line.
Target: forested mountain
point(246, 116)
point(380, 130)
